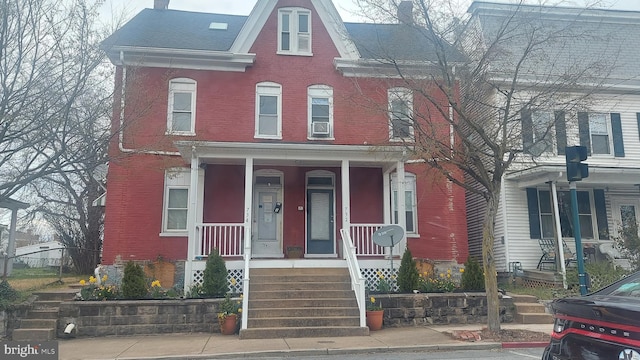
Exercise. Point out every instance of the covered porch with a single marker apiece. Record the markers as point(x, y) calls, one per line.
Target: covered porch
point(284, 205)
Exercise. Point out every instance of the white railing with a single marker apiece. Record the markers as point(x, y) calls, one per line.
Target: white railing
point(362, 238)
point(357, 280)
point(228, 239)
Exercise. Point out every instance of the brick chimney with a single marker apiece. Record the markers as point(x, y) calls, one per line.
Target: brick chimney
point(161, 4)
point(405, 12)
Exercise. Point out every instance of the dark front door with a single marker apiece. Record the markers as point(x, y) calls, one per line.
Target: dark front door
point(320, 224)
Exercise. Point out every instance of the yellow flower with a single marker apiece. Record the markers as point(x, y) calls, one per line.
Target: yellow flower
point(233, 281)
point(381, 276)
point(82, 282)
point(155, 283)
point(372, 299)
point(92, 280)
point(241, 296)
point(461, 270)
point(441, 275)
point(239, 310)
point(104, 278)
point(448, 271)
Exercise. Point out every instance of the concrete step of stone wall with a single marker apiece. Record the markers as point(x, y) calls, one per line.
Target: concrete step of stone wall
point(38, 323)
point(33, 334)
point(304, 311)
point(302, 294)
point(46, 304)
point(298, 303)
point(49, 313)
point(517, 298)
point(307, 285)
point(297, 278)
point(530, 308)
point(307, 321)
point(535, 318)
point(301, 332)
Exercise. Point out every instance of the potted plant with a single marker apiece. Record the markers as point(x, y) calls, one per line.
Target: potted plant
point(374, 314)
point(228, 311)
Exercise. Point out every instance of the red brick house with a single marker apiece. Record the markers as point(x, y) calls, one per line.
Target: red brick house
point(266, 134)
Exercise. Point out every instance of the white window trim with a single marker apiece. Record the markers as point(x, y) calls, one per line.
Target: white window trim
point(407, 95)
point(176, 178)
point(268, 89)
point(607, 119)
point(410, 185)
point(183, 85)
point(319, 91)
point(294, 32)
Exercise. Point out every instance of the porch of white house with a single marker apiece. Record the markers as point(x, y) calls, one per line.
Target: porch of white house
point(356, 250)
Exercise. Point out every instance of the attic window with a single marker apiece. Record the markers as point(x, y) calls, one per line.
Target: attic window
point(218, 26)
point(294, 29)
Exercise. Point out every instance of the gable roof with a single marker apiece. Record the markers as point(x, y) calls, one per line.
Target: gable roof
point(602, 44)
point(154, 34)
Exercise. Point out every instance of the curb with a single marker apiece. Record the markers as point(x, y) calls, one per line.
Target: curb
point(326, 351)
point(520, 345)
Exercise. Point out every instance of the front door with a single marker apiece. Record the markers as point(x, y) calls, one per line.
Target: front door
point(320, 222)
point(626, 214)
point(268, 218)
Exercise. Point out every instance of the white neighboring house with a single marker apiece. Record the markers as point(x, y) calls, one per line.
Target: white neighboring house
point(41, 254)
point(608, 125)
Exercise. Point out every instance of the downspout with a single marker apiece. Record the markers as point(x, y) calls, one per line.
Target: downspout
point(121, 119)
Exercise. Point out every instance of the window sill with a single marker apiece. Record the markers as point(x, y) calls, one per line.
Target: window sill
point(168, 133)
point(174, 234)
point(267, 137)
point(290, 53)
point(330, 138)
point(413, 235)
point(398, 140)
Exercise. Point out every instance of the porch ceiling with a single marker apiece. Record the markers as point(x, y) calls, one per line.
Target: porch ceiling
point(288, 154)
point(599, 176)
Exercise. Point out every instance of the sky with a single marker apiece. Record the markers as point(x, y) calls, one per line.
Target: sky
point(347, 8)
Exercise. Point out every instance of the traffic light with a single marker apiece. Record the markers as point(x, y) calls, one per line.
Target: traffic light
point(576, 170)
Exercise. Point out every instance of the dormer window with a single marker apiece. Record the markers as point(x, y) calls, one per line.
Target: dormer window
point(294, 30)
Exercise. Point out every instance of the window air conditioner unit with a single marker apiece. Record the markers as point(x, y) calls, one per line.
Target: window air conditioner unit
point(320, 128)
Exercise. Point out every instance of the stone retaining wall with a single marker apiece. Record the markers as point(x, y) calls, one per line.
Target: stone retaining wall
point(127, 317)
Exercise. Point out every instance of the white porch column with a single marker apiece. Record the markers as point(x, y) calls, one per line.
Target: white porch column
point(386, 197)
point(11, 247)
point(346, 196)
point(402, 206)
point(191, 221)
point(559, 245)
point(248, 214)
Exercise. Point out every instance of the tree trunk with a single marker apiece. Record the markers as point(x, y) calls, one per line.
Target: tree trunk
point(489, 264)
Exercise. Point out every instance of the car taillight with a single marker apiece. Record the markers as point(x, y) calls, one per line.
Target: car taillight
point(560, 325)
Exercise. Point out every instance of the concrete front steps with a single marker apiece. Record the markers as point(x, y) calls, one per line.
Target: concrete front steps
point(530, 311)
point(41, 322)
point(301, 302)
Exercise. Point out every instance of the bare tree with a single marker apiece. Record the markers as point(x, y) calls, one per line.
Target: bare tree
point(471, 127)
point(49, 57)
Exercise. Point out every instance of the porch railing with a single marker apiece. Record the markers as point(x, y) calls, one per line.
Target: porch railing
point(228, 239)
point(357, 280)
point(362, 237)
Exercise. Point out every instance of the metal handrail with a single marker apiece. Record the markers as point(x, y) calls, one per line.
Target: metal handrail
point(357, 280)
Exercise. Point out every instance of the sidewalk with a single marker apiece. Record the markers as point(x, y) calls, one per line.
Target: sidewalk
point(212, 346)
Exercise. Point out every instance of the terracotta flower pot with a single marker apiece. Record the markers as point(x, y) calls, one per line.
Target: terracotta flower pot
point(374, 319)
point(229, 324)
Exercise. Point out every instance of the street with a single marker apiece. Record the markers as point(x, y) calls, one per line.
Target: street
point(500, 354)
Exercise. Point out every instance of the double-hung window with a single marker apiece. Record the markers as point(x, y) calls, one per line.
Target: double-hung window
point(294, 29)
point(400, 113)
point(268, 110)
point(600, 133)
point(320, 110)
point(176, 200)
point(566, 218)
point(409, 200)
point(182, 107)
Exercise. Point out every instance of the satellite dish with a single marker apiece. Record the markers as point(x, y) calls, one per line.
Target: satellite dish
point(389, 235)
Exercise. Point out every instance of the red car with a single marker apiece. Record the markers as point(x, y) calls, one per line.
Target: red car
point(602, 325)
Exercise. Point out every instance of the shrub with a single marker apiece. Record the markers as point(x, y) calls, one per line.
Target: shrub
point(134, 284)
point(628, 241)
point(214, 279)
point(473, 276)
point(7, 294)
point(435, 284)
point(408, 276)
point(600, 275)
